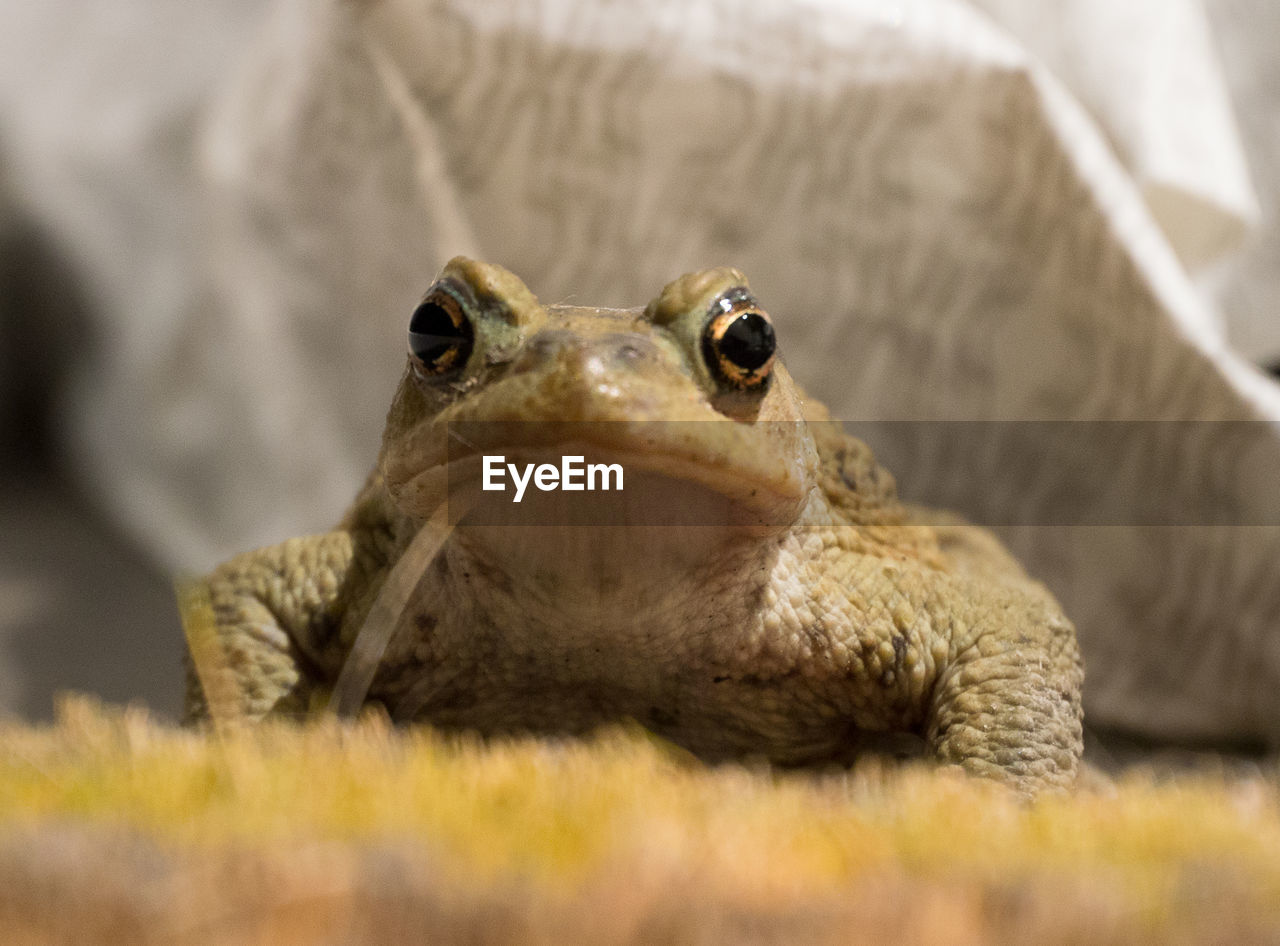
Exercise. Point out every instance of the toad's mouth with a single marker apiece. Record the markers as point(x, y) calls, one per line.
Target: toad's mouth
point(605, 473)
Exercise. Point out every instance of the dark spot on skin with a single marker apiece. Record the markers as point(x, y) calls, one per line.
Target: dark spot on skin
point(858, 474)
point(817, 634)
point(861, 474)
point(661, 718)
point(899, 649)
point(719, 679)
point(424, 622)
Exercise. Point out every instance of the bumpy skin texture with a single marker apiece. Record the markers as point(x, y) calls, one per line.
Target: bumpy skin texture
point(836, 620)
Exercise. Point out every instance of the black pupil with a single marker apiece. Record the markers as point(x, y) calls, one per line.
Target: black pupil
point(432, 333)
point(749, 341)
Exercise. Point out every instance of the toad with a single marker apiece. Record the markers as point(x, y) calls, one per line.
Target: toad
point(748, 584)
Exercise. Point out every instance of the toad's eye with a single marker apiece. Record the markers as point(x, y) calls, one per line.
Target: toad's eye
point(440, 333)
point(738, 342)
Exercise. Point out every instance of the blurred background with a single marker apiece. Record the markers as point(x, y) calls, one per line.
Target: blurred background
point(215, 218)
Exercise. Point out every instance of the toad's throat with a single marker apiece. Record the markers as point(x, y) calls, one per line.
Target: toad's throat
point(600, 576)
point(615, 551)
point(596, 575)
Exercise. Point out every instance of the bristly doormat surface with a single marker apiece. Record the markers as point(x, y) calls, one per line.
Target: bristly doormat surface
point(116, 828)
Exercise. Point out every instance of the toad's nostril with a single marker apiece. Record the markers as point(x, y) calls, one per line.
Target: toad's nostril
point(541, 349)
point(630, 352)
point(545, 344)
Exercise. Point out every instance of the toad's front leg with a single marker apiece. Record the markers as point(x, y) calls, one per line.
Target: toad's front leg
point(1007, 706)
point(271, 613)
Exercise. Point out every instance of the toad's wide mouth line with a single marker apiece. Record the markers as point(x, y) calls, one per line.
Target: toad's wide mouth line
point(585, 483)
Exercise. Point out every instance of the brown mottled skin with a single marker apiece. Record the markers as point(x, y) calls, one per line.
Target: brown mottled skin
point(825, 619)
